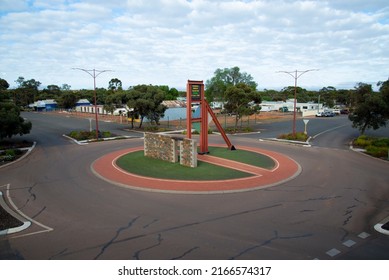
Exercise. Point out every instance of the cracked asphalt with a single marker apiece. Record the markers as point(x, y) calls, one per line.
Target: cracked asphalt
point(339, 195)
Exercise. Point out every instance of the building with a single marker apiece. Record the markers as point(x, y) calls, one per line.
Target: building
point(307, 109)
point(44, 105)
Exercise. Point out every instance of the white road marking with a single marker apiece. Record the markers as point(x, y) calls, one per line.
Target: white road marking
point(333, 252)
point(363, 235)
point(349, 243)
point(15, 208)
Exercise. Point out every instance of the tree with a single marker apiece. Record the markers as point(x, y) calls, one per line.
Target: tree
point(223, 78)
point(384, 90)
point(26, 92)
point(328, 96)
point(11, 123)
point(4, 85)
point(370, 111)
point(65, 87)
point(50, 92)
point(146, 100)
point(68, 100)
point(170, 93)
point(115, 84)
point(242, 100)
point(288, 93)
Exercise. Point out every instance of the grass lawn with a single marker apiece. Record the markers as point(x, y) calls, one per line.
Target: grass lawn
point(243, 156)
point(138, 164)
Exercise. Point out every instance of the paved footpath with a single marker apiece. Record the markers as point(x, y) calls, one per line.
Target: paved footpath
point(284, 170)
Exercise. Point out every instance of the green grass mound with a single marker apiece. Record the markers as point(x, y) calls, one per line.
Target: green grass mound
point(137, 163)
point(243, 156)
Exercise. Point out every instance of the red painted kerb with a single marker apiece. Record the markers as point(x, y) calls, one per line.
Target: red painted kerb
point(285, 170)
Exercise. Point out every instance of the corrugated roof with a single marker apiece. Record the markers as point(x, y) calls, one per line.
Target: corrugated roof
point(174, 103)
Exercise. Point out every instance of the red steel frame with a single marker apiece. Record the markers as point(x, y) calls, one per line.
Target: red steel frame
point(199, 97)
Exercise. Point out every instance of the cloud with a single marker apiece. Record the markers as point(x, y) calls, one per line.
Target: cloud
point(170, 41)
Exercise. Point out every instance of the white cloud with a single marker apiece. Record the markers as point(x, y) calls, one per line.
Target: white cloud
point(170, 41)
point(13, 5)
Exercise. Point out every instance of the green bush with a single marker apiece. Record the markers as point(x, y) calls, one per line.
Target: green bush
point(381, 142)
point(380, 152)
point(300, 136)
point(106, 134)
point(10, 153)
point(88, 135)
point(363, 141)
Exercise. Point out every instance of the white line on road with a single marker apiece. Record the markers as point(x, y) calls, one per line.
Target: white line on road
point(46, 228)
point(328, 130)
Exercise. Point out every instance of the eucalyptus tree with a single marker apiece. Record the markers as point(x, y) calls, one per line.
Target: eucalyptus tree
point(217, 86)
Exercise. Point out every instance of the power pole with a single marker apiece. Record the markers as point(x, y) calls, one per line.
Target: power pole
point(94, 74)
point(295, 75)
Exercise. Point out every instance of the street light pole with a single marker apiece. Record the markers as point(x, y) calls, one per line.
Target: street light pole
point(93, 74)
point(295, 75)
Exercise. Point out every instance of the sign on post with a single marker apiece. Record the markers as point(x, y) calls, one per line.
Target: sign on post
point(196, 92)
point(305, 129)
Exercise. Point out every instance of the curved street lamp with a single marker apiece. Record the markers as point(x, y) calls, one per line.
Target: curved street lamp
point(295, 75)
point(94, 74)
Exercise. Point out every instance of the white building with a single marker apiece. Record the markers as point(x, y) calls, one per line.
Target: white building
point(307, 109)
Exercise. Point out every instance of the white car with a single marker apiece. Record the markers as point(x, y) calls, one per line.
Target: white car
point(120, 112)
point(336, 111)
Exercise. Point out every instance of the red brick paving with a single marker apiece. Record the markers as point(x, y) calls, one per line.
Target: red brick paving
point(285, 169)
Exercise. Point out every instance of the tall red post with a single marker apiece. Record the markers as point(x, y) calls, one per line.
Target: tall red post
point(195, 94)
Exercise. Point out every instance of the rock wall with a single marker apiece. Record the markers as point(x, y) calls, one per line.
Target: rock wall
point(167, 148)
point(188, 152)
point(160, 146)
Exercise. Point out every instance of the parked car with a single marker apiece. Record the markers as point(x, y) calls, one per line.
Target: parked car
point(329, 114)
point(120, 111)
point(320, 114)
point(344, 111)
point(336, 111)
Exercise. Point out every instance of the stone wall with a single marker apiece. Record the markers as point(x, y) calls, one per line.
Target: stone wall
point(168, 148)
point(160, 146)
point(188, 152)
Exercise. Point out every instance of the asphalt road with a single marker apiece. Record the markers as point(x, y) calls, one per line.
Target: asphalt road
point(336, 200)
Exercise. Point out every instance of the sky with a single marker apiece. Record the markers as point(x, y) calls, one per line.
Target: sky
point(167, 42)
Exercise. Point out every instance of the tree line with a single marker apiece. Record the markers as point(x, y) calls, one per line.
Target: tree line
point(236, 89)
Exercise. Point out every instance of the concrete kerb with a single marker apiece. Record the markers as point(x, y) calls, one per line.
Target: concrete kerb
point(363, 152)
point(86, 142)
point(25, 224)
point(29, 150)
point(290, 142)
point(148, 184)
point(378, 227)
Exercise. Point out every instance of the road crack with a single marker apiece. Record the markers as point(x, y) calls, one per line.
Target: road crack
point(268, 242)
point(159, 242)
point(112, 241)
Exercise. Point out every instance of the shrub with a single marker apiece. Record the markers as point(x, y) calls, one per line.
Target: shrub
point(363, 141)
point(300, 136)
point(7, 155)
point(89, 135)
point(381, 152)
point(106, 134)
point(10, 153)
point(381, 142)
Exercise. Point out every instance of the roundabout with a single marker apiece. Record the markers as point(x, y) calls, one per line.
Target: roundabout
point(76, 215)
point(284, 169)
